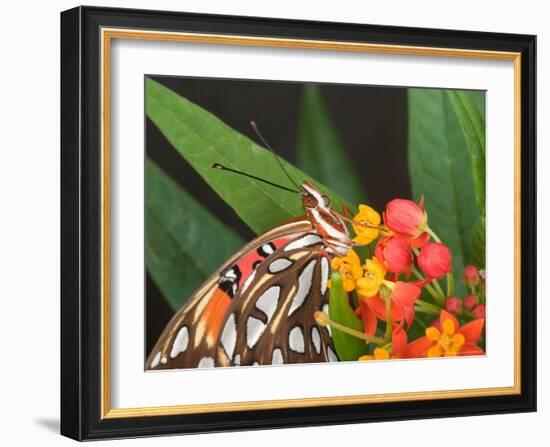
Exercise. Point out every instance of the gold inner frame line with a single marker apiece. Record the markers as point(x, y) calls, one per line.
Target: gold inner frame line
point(107, 35)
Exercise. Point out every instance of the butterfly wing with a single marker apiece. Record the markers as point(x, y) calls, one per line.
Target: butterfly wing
point(272, 321)
point(191, 337)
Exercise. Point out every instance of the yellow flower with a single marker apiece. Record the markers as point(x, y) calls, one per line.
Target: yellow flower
point(350, 269)
point(448, 343)
point(379, 354)
point(369, 285)
point(362, 224)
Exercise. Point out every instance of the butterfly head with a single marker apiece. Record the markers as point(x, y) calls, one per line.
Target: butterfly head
point(326, 222)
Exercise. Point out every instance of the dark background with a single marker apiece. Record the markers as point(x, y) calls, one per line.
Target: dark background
point(371, 121)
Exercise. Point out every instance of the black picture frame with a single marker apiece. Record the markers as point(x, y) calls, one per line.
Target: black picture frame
point(81, 393)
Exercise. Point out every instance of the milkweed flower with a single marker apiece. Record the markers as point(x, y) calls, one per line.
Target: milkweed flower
point(470, 275)
point(479, 311)
point(350, 268)
point(407, 220)
point(448, 339)
point(395, 254)
point(375, 273)
point(471, 301)
point(453, 305)
point(363, 225)
point(403, 297)
point(435, 260)
point(378, 354)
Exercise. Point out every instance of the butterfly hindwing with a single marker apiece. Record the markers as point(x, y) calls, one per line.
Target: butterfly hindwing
point(272, 321)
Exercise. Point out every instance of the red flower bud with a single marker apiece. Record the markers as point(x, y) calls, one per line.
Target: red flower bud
point(394, 253)
point(453, 305)
point(405, 218)
point(435, 260)
point(470, 302)
point(479, 311)
point(470, 275)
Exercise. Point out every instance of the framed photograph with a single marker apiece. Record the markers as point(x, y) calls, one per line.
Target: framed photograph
point(273, 223)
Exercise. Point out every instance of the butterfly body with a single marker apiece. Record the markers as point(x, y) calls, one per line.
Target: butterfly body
point(258, 307)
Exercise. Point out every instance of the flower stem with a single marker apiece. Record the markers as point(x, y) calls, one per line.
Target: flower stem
point(429, 307)
point(389, 323)
point(438, 296)
point(433, 235)
point(450, 284)
point(323, 319)
point(438, 287)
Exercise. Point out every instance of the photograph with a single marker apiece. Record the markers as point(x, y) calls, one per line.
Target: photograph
point(290, 222)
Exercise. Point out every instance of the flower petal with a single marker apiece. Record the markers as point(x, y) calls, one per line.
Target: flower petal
point(417, 348)
point(473, 330)
point(444, 315)
point(471, 349)
point(370, 321)
point(399, 340)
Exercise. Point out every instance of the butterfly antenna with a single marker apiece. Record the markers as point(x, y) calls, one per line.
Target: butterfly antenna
point(264, 141)
point(225, 168)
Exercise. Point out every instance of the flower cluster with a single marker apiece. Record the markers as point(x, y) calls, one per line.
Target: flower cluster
point(400, 277)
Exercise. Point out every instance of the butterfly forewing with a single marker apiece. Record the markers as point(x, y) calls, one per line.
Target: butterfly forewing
point(191, 338)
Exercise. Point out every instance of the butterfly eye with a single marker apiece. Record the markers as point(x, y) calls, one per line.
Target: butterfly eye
point(326, 201)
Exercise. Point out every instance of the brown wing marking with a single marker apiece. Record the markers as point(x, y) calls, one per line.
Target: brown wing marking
point(184, 343)
point(280, 310)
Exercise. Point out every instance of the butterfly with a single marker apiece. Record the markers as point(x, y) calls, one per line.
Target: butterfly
point(258, 307)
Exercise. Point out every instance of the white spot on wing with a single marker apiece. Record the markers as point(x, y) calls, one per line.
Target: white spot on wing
point(277, 357)
point(254, 329)
point(324, 274)
point(156, 360)
point(267, 249)
point(305, 241)
point(206, 362)
point(237, 360)
point(279, 265)
point(267, 302)
point(331, 355)
point(164, 360)
point(316, 339)
point(304, 286)
point(296, 340)
point(229, 336)
point(180, 342)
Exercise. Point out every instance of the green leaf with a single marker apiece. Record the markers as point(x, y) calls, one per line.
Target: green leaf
point(440, 170)
point(203, 139)
point(185, 243)
point(478, 243)
point(321, 152)
point(347, 346)
point(473, 128)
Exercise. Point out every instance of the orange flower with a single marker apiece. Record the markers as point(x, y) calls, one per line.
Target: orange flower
point(364, 225)
point(407, 220)
point(435, 260)
point(378, 354)
point(350, 268)
point(395, 254)
point(450, 340)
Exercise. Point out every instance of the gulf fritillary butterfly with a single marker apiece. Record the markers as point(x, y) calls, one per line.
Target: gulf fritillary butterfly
point(257, 308)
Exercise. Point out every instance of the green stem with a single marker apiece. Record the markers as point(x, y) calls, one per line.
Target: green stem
point(450, 284)
point(438, 296)
point(428, 306)
point(388, 337)
point(423, 310)
point(438, 287)
point(355, 333)
point(433, 235)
